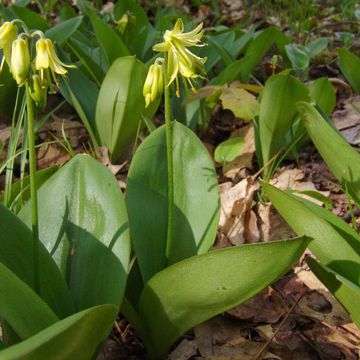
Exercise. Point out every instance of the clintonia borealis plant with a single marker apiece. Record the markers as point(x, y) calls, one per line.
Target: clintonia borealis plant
point(173, 204)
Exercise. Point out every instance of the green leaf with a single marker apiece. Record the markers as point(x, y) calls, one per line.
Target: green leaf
point(8, 90)
point(298, 57)
point(23, 188)
point(315, 47)
point(76, 337)
point(242, 69)
point(342, 159)
point(121, 105)
point(82, 93)
point(228, 150)
point(349, 66)
point(344, 290)
point(61, 32)
point(111, 44)
point(242, 103)
point(16, 253)
point(83, 223)
point(195, 192)
point(329, 245)
point(33, 20)
point(277, 112)
point(322, 92)
point(198, 288)
point(21, 307)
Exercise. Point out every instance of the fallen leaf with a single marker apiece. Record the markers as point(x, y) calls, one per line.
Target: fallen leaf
point(245, 160)
point(242, 103)
point(104, 158)
point(184, 351)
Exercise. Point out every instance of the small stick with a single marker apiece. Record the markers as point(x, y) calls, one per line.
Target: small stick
point(279, 328)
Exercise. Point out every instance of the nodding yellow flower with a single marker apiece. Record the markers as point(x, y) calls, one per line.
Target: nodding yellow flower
point(8, 32)
point(46, 59)
point(154, 83)
point(20, 60)
point(180, 58)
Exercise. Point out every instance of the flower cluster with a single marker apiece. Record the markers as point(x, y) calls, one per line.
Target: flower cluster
point(179, 60)
point(38, 72)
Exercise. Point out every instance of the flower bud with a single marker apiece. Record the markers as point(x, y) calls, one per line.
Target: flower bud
point(154, 83)
point(8, 32)
point(20, 60)
point(38, 92)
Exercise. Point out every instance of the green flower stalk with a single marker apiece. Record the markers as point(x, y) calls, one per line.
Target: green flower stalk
point(154, 83)
point(20, 60)
point(180, 60)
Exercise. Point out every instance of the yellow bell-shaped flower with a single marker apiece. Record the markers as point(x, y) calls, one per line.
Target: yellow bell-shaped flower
point(47, 59)
point(20, 60)
point(8, 32)
point(179, 58)
point(154, 83)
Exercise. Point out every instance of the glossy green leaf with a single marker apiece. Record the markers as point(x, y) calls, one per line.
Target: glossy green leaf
point(334, 250)
point(61, 32)
point(76, 337)
point(298, 57)
point(17, 254)
point(322, 92)
point(8, 90)
point(344, 290)
point(242, 69)
point(277, 112)
point(33, 20)
point(195, 192)
point(83, 223)
point(121, 105)
point(22, 189)
point(111, 44)
point(82, 93)
point(316, 46)
point(21, 307)
point(228, 150)
point(342, 159)
point(198, 288)
point(349, 66)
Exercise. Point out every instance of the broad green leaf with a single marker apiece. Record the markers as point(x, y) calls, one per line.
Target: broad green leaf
point(228, 150)
point(277, 112)
point(342, 159)
point(111, 44)
point(344, 290)
point(16, 253)
point(61, 32)
point(33, 20)
point(82, 93)
point(329, 246)
point(121, 105)
point(242, 103)
point(322, 92)
point(22, 190)
point(349, 66)
point(21, 307)
point(195, 192)
point(83, 223)
point(315, 47)
point(298, 57)
point(76, 337)
point(198, 288)
point(242, 69)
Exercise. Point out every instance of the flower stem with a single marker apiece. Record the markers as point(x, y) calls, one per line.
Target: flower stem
point(169, 155)
point(33, 191)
